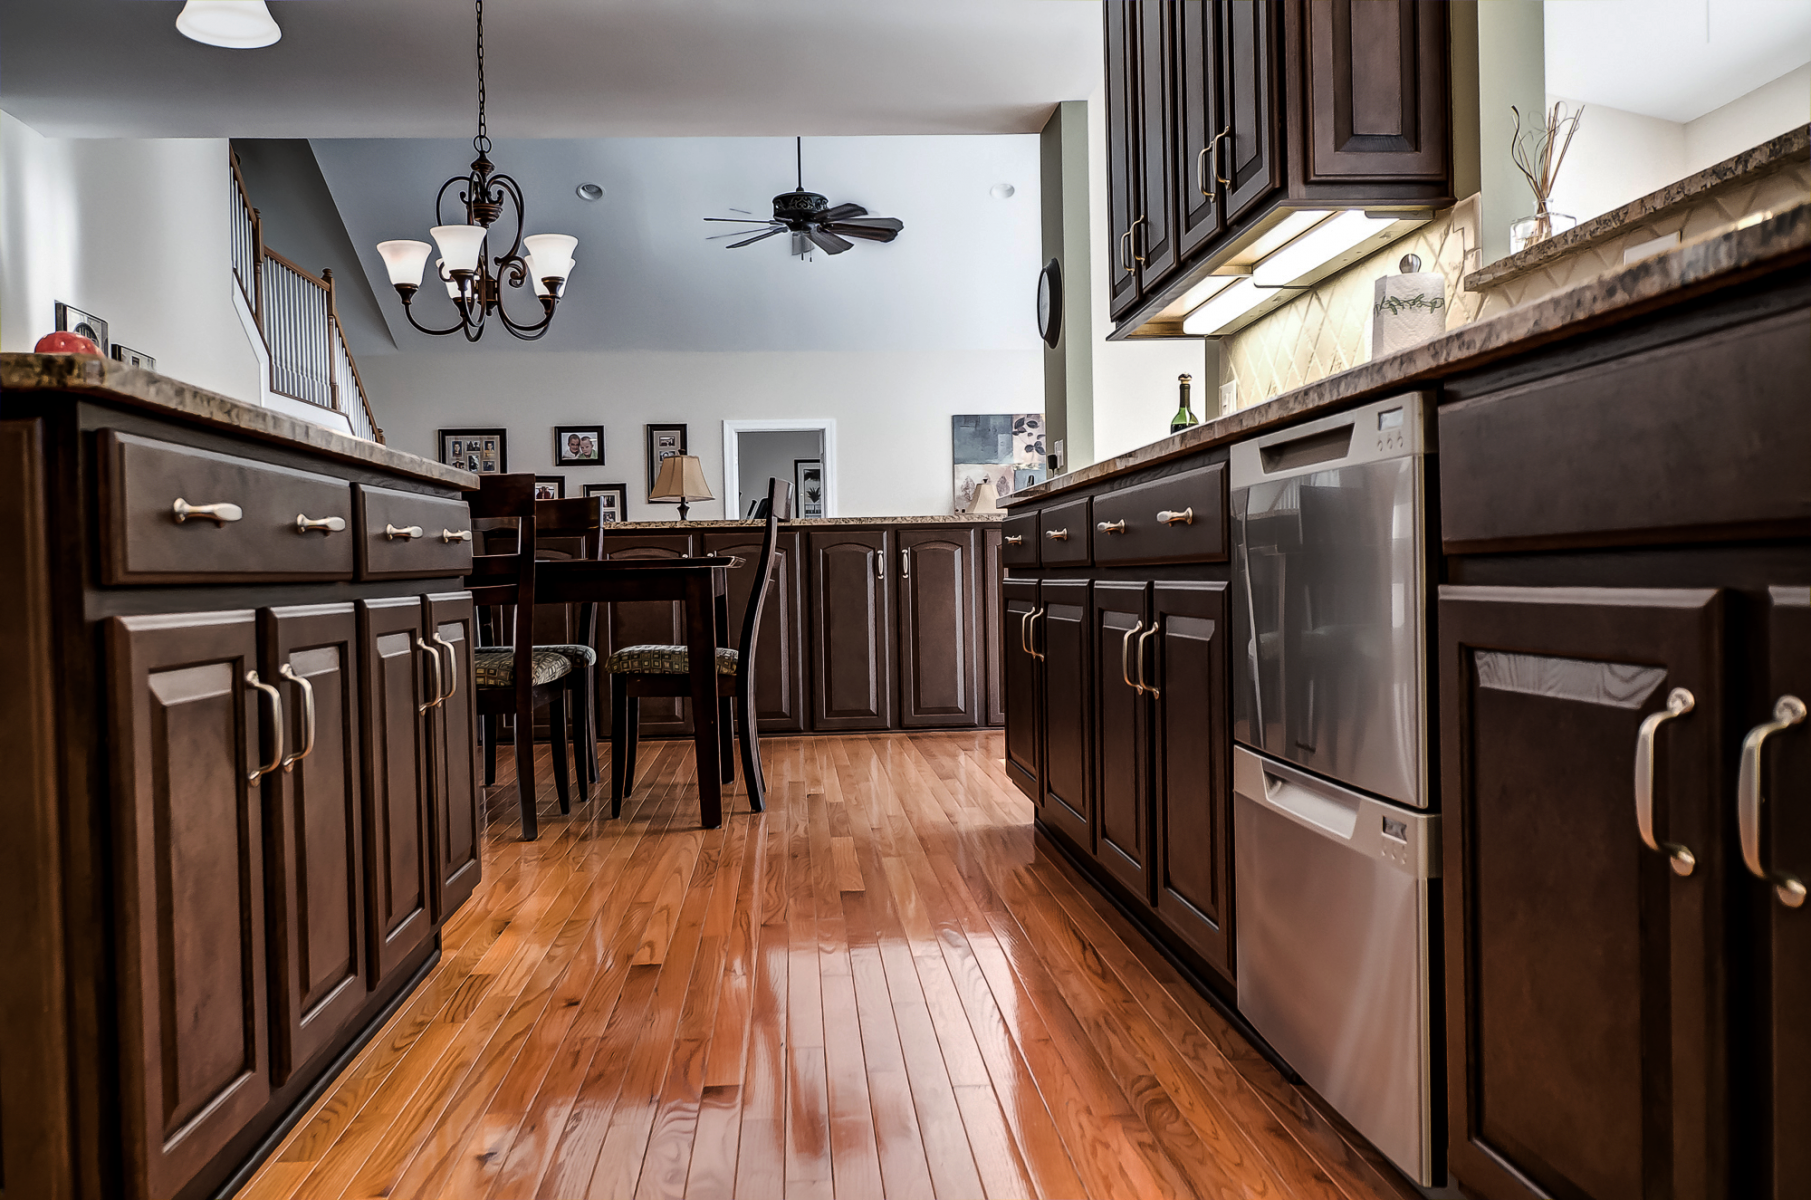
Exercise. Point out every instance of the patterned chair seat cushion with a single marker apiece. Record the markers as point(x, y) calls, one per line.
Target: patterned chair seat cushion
point(580, 654)
point(495, 666)
point(665, 660)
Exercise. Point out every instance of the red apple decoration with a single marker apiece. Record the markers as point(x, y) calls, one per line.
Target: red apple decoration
point(66, 343)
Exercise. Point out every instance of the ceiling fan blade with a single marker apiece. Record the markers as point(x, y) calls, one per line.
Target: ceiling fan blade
point(757, 238)
point(717, 237)
point(842, 212)
point(743, 220)
point(893, 223)
point(829, 243)
point(864, 232)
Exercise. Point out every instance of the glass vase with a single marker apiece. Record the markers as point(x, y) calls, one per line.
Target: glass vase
point(1542, 225)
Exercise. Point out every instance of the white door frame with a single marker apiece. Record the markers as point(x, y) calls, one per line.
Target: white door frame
point(732, 489)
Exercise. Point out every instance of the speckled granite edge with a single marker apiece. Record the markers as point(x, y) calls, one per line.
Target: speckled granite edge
point(1700, 266)
point(108, 380)
point(1736, 171)
point(814, 522)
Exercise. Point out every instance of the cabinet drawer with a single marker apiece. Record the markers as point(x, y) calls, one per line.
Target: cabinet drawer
point(1019, 540)
point(1063, 534)
point(250, 535)
point(406, 535)
point(1179, 519)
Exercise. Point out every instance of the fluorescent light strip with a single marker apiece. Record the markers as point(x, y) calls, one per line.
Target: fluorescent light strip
point(1318, 247)
point(1225, 308)
point(1285, 231)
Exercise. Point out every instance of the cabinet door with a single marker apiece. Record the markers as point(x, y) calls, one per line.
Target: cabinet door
point(1122, 773)
point(645, 623)
point(1022, 681)
point(1192, 859)
point(1584, 1007)
point(314, 832)
point(1376, 93)
point(993, 661)
point(455, 813)
point(937, 680)
point(851, 635)
point(780, 648)
point(1060, 635)
point(1154, 232)
point(394, 674)
point(1122, 156)
point(1251, 157)
point(186, 737)
point(1200, 119)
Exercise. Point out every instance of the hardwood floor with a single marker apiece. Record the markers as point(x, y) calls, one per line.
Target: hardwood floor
point(884, 986)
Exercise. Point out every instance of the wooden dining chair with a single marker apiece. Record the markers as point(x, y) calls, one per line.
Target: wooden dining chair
point(637, 671)
point(516, 679)
point(577, 520)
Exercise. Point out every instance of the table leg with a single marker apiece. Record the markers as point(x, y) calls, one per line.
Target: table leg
point(701, 648)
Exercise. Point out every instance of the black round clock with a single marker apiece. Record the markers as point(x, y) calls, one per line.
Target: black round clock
point(1050, 303)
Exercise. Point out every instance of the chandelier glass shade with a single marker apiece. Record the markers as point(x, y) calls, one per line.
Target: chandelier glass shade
point(234, 24)
point(475, 278)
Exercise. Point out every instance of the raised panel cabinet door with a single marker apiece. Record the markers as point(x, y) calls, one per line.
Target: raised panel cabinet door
point(1585, 975)
point(1060, 635)
point(645, 623)
point(1200, 124)
point(189, 733)
point(1122, 773)
point(1154, 228)
point(1192, 856)
point(394, 674)
point(1250, 159)
point(780, 648)
point(314, 832)
point(938, 683)
point(455, 811)
point(1122, 157)
point(1022, 678)
point(992, 660)
point(1376, 88)
point(852, 631)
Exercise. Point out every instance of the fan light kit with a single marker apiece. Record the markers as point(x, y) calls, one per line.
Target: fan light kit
point(234, 24)
point(811, 221)
point(465, 263)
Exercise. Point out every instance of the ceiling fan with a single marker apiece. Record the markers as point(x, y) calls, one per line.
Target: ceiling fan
point(811, 220)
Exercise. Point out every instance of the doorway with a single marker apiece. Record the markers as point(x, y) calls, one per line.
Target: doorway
point(802, 452)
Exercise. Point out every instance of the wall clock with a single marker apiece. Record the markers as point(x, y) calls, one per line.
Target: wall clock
point(1050, 303)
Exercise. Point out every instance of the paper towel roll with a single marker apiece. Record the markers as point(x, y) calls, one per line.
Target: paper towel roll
point(1408, 309)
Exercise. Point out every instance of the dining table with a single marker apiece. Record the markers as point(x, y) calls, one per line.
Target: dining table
point(701, 586)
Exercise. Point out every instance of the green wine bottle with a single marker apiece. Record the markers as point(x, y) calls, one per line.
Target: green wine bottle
point(1184, 416)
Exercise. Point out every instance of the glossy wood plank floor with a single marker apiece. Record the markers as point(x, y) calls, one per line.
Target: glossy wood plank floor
point(885, 986)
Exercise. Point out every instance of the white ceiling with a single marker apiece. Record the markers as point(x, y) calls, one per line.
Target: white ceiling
point(1674, 59)
point(962, 275)
point(556, 68)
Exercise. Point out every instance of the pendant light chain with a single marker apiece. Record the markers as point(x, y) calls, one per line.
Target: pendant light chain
point(481, 143)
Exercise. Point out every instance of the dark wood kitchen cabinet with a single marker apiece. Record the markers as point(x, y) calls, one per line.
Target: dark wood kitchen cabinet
point(851, 620)
point(1022, 686)
point(190, 730)
point(1060, 634)
point(1372, 75)
point(780, 652)
point(455, 811)
point(939, 684)
point(1228, 119)
point(1122, 773)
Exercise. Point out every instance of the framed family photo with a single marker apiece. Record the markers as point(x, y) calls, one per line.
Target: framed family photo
point(71, 319)
point(549, 487)
point(133, 358)
point(664, 441)
point(484, 451)
point(578, 446)
point(613, 500)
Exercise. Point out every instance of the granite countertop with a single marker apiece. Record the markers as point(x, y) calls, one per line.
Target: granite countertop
point(108, 380)
point(816, 522)
point(1695, 268)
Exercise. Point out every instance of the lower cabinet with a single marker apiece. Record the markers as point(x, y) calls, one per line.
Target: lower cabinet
point(1122, 772)
point(939, 685)
point(1021, 688)
point(455, 813)
point(1060, 636)
point(851, 620)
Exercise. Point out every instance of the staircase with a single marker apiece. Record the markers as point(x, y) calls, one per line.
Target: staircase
point(294, 312)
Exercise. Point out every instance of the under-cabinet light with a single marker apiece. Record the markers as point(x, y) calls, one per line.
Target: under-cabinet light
point(1330, 245)
point(1224, 309)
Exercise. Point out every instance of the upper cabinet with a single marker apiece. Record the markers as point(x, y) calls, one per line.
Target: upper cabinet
point(1223, 116)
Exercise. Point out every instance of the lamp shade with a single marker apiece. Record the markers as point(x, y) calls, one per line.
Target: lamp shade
point(404, 261)
point(235, 24)
point(552, 254)
point(681, 480)
point(452, 285)
point(459, 244)
point(535, 276)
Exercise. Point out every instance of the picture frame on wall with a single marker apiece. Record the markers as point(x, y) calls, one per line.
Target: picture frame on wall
point(664, 441)
point(578, 445)
point(549, 487)
point(808, 486)
point(133, 358)
point(614, 498)
point(71, 319)
point(481, 451)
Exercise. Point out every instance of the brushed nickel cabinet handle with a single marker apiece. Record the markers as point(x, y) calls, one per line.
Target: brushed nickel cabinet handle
point(1125, 659)
point(1787, 712)
point(1224, 133)
point(219, 514)
point(391, 532)
point(1125, 242)
point(1200, 173)
point(307, 524)
point(448, 536)
point(439, 680)
point(1678, 702)
point(1057, 535)
point(288, 672)
point(1135, 224)
point(1025, 630)
point(1118, 526)
point(1185, 517)
point(1035, 614)
point(1015, 539)
point(1144, 637)
point(452, 667)
point(276, 722)
point(880, 565)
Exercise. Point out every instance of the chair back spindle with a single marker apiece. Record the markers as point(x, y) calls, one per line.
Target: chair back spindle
point(779, 508)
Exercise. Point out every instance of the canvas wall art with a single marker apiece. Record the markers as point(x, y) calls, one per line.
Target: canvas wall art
point(1002, 451)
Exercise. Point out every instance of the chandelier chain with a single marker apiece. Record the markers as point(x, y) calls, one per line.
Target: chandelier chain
point(481, 143)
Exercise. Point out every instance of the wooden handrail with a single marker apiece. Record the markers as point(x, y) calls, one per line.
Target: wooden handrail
point(310, 276)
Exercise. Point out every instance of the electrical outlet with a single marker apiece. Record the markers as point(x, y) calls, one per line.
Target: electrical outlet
point(1229, 395)
point(1056, 456)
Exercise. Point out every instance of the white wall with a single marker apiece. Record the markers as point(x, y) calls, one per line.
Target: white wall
point(133, 231)
point(892, 410)
point(770, 455)
point(1765, 113)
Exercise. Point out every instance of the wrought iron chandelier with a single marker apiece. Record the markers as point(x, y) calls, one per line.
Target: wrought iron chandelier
point(465, 263)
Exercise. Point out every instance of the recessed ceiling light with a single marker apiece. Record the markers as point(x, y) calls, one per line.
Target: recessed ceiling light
point(590, 191)
point(235, 24)
point(1002, 191)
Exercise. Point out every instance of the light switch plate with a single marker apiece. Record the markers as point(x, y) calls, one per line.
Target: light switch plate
point(1229, 395)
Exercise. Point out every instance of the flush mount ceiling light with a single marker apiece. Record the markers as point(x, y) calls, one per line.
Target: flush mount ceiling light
point(1002, 191)
point(465, 263)
point(590, 191)
point(235, 24)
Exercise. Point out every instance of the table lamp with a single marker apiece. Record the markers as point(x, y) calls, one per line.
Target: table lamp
point(681, 480)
